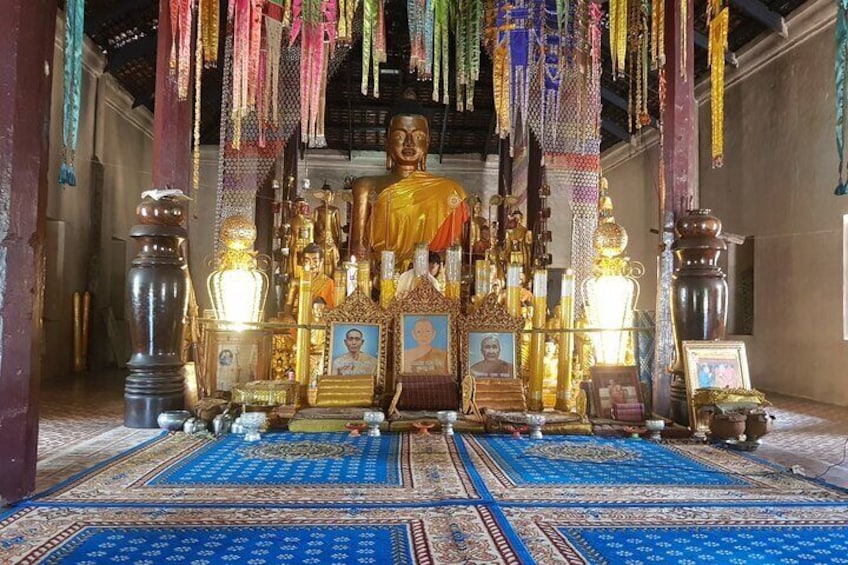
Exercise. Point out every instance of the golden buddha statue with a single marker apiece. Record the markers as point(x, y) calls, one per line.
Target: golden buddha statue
point(302, 234)
point(317, 336)
point(551, 377)
point(411, 205)
point(518, 241)
point(328, 229)
point(312, 259)
point(477, 226)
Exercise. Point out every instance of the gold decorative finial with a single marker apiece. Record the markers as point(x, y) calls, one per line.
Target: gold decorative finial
point(610, 237)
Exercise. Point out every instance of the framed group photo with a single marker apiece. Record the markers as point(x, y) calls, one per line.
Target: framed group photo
point(425, 344)
point(355, 349)
point(713, 365)
point(612, 385)
point(235, 358)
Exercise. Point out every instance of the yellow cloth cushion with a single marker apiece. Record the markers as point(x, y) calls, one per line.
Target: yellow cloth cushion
point(347, 391)
point(505, 395)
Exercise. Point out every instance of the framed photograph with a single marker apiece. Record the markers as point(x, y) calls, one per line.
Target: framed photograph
point(614, 384)
point(713, 364)
point(355, 349)
point(425, 340)
point(236, 357)
point(356, 339)
point(424, 335)
point(491, 355)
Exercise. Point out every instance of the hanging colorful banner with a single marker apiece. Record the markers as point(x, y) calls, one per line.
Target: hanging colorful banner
point(74, 23)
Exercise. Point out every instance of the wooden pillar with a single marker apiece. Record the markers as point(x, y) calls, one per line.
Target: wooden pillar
point(680, 154)
point(534, 182)
point(27, 31)
point(157, 282)
point(171, 117)
point(680, 116)
point(504, 182)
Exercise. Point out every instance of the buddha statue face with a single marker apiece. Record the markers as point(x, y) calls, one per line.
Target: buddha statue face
point(407, 142)
point(477, 208)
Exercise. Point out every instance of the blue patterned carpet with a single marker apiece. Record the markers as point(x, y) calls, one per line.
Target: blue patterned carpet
point(331, 499)
point(253, 545)
point(593, 461)
point(723, 544)
point(290, 459)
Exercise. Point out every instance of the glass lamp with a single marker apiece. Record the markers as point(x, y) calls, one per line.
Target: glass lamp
point(610, 294)
point(237, 286)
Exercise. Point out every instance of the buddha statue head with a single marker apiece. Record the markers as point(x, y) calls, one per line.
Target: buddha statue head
point(407, 143)
point(313, 259)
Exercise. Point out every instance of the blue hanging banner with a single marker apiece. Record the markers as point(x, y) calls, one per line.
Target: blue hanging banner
point(74, 20)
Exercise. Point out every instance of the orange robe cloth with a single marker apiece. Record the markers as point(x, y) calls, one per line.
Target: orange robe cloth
point(416, 209)
point(324, 287)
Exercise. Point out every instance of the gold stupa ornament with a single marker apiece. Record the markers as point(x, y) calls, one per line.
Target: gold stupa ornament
point(237, 286)
point(610, 294)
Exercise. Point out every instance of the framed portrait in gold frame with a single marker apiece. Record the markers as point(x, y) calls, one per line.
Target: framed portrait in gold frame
point(424, 326)
point(356, 340)
point(491, 341)
point(235, 358)
point(713, 365)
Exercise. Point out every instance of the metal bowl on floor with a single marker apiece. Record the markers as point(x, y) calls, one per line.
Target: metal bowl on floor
point(173, 420)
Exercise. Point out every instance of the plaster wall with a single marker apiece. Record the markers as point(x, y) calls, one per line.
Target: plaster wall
point(776, 185)
point(120, 137)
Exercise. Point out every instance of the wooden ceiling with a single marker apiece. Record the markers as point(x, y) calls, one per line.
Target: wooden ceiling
point(126, 32)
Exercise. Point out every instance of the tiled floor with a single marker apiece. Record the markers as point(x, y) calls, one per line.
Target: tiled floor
point(81, 426)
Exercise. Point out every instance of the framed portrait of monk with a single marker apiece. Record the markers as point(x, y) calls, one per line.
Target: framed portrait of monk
point(424, 334)
point(356, 339)
point(491, 355)
point(425, 344)
point(491, 342)
point(354, 349)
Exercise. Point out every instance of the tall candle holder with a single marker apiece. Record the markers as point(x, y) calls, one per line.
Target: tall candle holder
point(513, 290)
point(453, 272)
point(482, 280)
point(537, 340)
point(387, 278)
point(566, 343)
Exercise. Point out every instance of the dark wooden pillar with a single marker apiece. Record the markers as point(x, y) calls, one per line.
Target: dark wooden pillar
point(680, 153)
point(680, 117)
point(171, 117)
point(534, 181)
point(157, 281)
point(504, 182)
point(27, 30)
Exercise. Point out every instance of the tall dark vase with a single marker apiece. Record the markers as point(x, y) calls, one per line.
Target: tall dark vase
point(698, 295)
point(158, 302)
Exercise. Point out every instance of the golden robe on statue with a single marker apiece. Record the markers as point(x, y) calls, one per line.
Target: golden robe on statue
point(419, 208)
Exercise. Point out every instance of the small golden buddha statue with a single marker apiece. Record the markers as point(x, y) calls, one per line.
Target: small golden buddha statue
point(411, 204)
point(312, 259)
point(476, 226)
point(518, 242)
point(328, 229)
point(317, 336)
point(302, 234)
point(551, 376)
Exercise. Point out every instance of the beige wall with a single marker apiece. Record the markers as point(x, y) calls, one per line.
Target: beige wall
point(777, 185)
point(121, 138)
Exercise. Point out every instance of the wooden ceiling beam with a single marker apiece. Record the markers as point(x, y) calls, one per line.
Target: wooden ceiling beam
point(114, 12)
point(129, 52)
point(762, 14)
point(702, 42)
point(613, 128)
point(619, 102)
